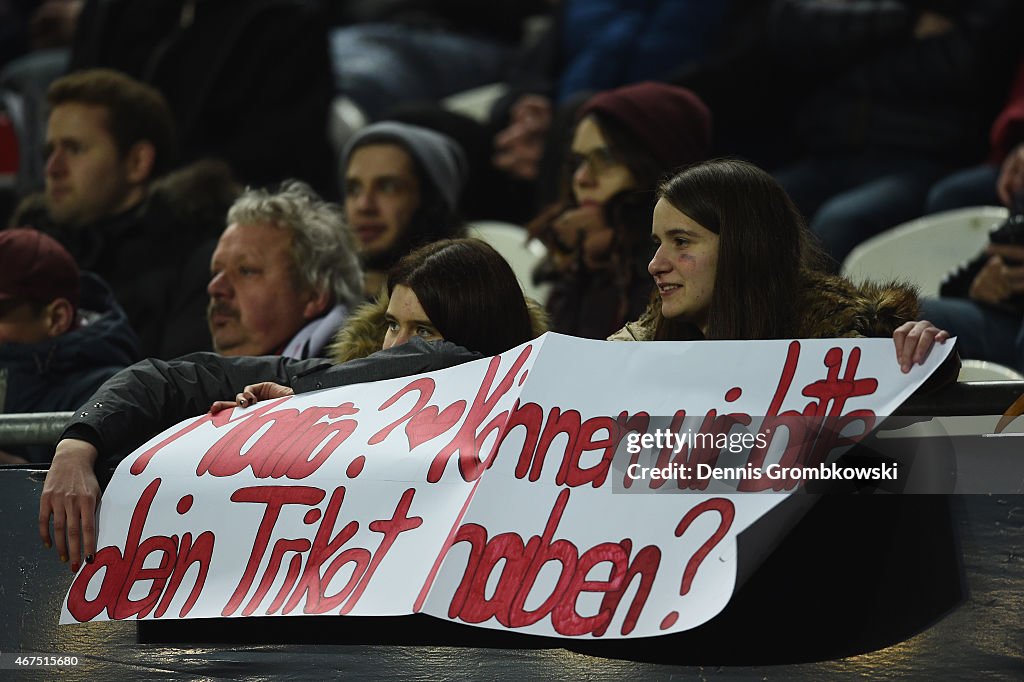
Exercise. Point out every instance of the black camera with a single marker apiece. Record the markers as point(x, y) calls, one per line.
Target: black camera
point(957, 284)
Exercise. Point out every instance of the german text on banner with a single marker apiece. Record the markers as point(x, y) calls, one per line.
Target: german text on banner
point(564, 488)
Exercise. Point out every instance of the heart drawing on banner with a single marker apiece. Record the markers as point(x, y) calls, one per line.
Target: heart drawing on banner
point(428, 423)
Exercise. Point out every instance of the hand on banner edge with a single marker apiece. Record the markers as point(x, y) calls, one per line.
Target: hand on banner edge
point(70, 495)
point(252, 394)
point(914, 341)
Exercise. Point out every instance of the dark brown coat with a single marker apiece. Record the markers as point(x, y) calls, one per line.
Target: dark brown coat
point(832, 307)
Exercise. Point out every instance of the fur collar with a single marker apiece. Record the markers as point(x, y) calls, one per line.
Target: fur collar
point(363, 333)
point(832, 307)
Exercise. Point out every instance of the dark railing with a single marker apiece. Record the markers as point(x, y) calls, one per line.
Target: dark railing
point(42, 428)
point(967, 398)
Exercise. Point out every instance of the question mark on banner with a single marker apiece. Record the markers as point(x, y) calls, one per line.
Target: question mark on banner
point(728, 512)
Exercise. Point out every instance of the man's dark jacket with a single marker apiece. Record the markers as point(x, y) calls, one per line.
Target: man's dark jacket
point(156, 255)
point(153, 395)
point(58, 374)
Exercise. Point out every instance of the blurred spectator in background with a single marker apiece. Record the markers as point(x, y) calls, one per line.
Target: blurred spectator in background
point(982, 302)
point(15, 16)
point(284, 276)
point(515, 154)
point(593, 45)
point(32, 25)
point(247, 82)
point(987, 318)
point(1001, 179)
point(109, 138)
point(903, 91)
point(489, 194)
point(35, 43)
point(402, 185)
point(389, 51)
point(62, 334)
point(599, 231)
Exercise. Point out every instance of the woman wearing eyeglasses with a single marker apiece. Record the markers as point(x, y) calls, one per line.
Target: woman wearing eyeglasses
point(598, 234)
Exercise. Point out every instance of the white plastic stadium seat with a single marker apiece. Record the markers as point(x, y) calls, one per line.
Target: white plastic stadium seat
point(982, 370)
point(476, 103)
point(510, 241)
point(925, 250)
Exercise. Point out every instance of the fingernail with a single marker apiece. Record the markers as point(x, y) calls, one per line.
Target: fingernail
point(74, 568)
point(46, 544)
point(89, 558)
point(64, 558)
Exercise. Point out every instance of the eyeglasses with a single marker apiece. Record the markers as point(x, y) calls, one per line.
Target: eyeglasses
point(598, 160)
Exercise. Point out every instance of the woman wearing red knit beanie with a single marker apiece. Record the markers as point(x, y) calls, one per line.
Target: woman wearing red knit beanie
point(598, 233)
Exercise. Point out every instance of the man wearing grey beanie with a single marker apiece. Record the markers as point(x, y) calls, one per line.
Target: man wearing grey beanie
point(402, 185)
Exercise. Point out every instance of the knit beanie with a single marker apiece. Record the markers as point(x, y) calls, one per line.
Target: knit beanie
point(35, 267)
point(440, 156)
point(672, 123)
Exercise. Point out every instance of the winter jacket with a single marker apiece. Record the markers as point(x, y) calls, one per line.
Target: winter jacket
point(311, 341)
point(363, 333)
point(156, 255)
point(152, 395)
point(831, 307)
point(591, 303)
point(59, 374)
point(594, 302)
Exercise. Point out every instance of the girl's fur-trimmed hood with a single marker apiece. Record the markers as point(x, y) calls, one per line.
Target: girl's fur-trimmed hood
point(832, 307)
point(363, 333)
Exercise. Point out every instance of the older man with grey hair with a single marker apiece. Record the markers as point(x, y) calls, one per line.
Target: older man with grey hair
point(284, 275)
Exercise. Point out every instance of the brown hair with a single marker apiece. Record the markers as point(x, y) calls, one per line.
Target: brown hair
point(626, 149)
point(469, 292)
point(136, 112)
point(764, 250)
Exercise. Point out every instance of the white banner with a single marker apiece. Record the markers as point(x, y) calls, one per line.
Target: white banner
point(503, 493)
